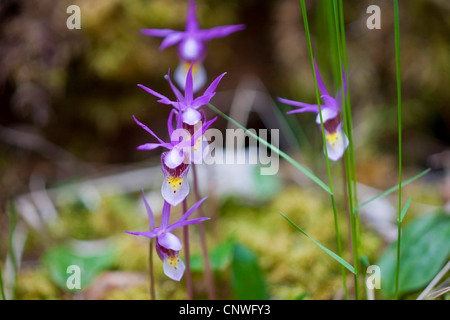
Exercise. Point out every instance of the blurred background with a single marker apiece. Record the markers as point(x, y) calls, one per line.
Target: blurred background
point(71, 177)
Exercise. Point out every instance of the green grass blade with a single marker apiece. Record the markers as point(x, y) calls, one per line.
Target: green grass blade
point(308, 173)
point(12, 253)
point(329, 252)
point(405, 209)
point(393, 189)
point(348, 155)
point(1, 285)
point(333, 203)
point(399, 119)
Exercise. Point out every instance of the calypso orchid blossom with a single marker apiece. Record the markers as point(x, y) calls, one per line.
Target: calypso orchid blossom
point(336, 140)
point(187, 105)
point(191, 45)
point(169, 245)
point(175, 162)
point(180, 141)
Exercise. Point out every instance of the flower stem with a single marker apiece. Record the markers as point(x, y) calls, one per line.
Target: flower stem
point(350, 175)
point(152, 279)
point(333, 203)
point(347, 209)
point(209, 277)
point(348, 111)
point(399, 111)
point(188, 277)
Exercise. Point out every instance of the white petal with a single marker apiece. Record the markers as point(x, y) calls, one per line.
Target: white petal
point(191, 116)
point(191, 49)
point(174, 267)
point(336, 144)
point(174, 158)
point(169, 241)
point(174, 190)
point(198, 75)
point(327, 114)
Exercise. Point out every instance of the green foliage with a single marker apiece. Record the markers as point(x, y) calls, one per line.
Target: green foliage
point(220, 257)
point(59, 258)
point(425, 248)
point(266, 186)
point(248, 281)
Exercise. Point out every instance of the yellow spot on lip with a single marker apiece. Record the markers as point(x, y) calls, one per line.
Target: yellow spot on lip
point(332, 138)
point(173, 261)
point(175, 183)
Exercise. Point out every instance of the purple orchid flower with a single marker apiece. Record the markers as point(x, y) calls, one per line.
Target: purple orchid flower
point(175, 186)
point(336, 140)
point(191, 41)
point(191, 45)
point(180, 141)
point(175, 162)
point(168, 245)
point(187, 104)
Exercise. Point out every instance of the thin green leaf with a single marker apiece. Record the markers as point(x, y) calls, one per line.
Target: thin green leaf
point(311, 58)
point(405, 209)
point(308, 173)
point(399, 121)
point(393, 189)
point(1, 285)
point(12, 252)
point(329, 252)
point(248, 281)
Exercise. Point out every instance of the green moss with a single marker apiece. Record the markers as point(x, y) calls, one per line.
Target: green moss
point(113, 216)
point(35, 284)
point(292, 263)
point(135, 293)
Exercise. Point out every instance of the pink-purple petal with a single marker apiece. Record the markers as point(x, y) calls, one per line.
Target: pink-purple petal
point(188, 89)
point(322, 88)
point(212, 87)
point(219, 32)
point(309, 107)
point(191, 210)
point(143, 126)
point(175, 90)
point(330, 103)
point(170, 122)
point(148, 146)
point(180, 224)
point(163, 99)
point(148, 234)
point(165, 215)
point(171, 39)
point(157, 32)
point(151, 217)
point(191, 20)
